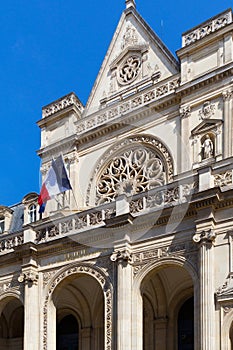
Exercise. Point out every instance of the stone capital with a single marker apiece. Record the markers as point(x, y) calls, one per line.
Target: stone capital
point(29, 277)
point(227, 94)
point(205, 237)
point(185, 111)
point(122, 256)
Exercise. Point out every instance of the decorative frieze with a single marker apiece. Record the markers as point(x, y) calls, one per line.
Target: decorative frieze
point(207, 28)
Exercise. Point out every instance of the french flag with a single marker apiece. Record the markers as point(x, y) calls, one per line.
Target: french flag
point(55, 182)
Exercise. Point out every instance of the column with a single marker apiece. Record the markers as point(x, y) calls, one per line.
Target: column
point(124, 298)
point(206, 294)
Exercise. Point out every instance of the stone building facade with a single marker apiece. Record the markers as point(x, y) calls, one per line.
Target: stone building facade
point(140, 254)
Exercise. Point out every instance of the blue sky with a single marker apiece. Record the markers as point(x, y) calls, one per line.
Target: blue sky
point(52, 47)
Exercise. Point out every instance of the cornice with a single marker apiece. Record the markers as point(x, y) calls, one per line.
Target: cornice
point(206, 80)
point(68, 144)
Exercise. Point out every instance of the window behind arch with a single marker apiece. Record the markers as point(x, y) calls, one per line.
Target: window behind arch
point(186, 326)
point(67, 334)
point(32, 213)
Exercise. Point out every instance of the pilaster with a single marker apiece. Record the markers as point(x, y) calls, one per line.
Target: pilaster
point(205, 241)
point(122, 257)
point(30, 277)
point(228, 124)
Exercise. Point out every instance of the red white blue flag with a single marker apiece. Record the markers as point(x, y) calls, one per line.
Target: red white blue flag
point(55, 182)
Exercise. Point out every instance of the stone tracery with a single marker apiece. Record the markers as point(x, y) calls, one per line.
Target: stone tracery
point(134, 170)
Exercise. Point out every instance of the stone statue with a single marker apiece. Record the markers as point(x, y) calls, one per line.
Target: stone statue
point(207, 148)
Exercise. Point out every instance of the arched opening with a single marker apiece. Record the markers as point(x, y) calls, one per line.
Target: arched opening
point(67, 333)
point(79, 304)
point(165, 291)
point(186, 325)
point(12, 325)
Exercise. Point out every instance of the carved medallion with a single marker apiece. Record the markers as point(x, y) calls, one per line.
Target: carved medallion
point(129, 69)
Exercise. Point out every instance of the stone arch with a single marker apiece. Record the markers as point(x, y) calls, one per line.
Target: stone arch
point(11, 320)
point(103, 281)
point(161, 263)
point(6, 296)
point(151, 145)
point(164, 323)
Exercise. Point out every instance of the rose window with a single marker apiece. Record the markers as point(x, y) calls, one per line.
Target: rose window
point(129, 70)
point(131, 172)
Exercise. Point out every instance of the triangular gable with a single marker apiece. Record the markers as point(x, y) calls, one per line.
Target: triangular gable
point(135, 55)
point(205, 126)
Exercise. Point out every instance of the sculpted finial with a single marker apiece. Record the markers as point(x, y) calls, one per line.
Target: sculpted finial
point(130, 3)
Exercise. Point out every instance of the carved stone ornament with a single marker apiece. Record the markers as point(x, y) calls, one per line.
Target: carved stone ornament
point(124, 255)
point(129, 69)
point(140, 162)
point(204, 237)
point(130, 38)
point(207, 110)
